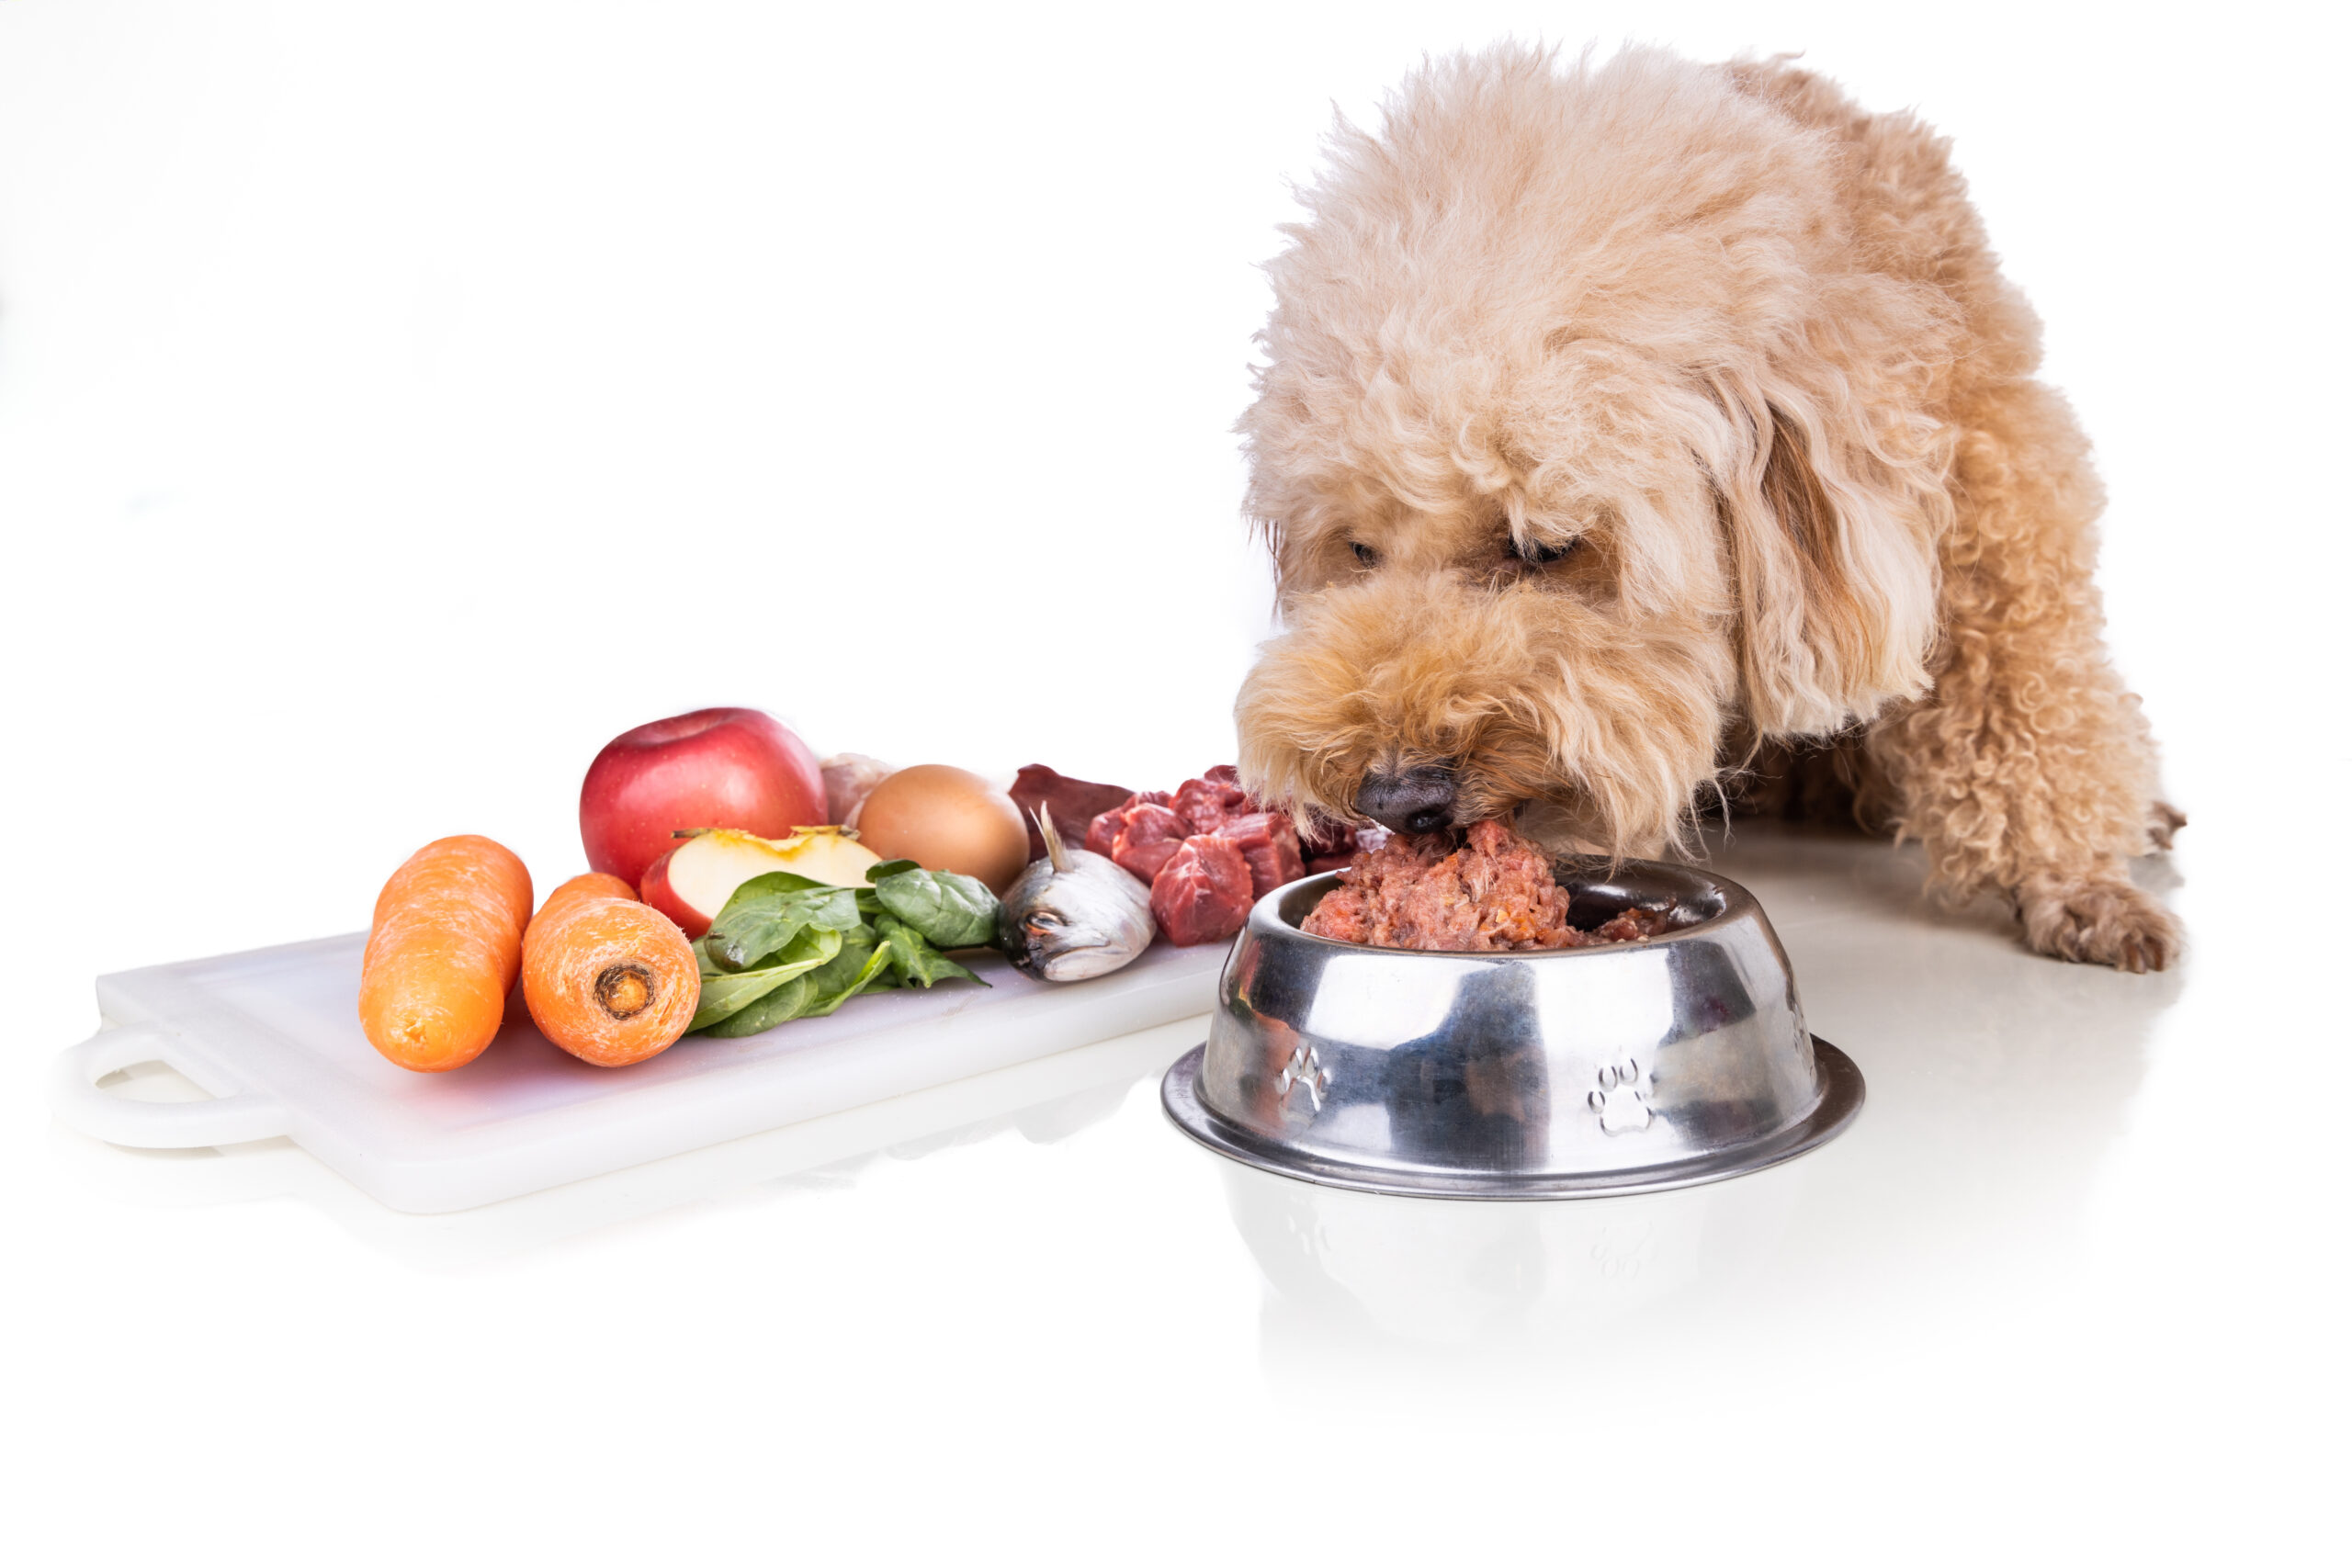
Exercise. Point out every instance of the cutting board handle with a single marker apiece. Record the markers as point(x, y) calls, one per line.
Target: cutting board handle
point(81, 1104)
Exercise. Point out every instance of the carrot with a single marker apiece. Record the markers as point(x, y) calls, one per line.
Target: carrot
point(442, 951)
point(593, 884)
point(607, 979)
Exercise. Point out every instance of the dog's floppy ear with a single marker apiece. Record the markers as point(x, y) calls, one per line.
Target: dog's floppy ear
point(1833, 550)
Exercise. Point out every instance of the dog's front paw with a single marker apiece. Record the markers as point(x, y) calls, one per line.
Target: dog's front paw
point(2097, 919)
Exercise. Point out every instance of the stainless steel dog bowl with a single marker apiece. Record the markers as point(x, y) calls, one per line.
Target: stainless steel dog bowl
point(1574, 1073)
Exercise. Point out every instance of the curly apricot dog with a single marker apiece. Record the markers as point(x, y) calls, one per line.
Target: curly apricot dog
point(1628, 427)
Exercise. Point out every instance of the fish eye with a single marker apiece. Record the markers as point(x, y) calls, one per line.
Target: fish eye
point(1041, 920)
point(1365, 554)
point(1537, 553)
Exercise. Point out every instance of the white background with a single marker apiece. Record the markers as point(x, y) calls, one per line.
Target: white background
point(397, 401)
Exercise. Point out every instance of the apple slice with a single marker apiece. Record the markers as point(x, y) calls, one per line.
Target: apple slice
point(692, 882)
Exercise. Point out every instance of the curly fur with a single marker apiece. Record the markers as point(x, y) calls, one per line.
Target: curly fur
point(1740, 350)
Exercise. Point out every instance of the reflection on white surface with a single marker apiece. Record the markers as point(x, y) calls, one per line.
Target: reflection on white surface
point(1348, 1273)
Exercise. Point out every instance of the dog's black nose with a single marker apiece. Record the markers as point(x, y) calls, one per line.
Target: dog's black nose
point(1418, 800)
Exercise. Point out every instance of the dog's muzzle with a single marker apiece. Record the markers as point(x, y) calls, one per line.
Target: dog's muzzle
point(1418, 800)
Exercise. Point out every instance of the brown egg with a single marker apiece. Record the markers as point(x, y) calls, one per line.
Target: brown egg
point(946, 820)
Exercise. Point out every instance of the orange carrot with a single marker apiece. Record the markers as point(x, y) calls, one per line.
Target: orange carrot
point(609, 979)
point(443, 953)
point(593, 884)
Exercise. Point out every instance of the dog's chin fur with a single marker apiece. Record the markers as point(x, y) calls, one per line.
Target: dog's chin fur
point(1735, 353)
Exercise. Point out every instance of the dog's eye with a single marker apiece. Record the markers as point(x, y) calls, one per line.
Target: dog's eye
point(1365, 554)
point(1539, 554)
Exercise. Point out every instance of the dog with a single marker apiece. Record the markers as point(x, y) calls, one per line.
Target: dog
point(1641, 436)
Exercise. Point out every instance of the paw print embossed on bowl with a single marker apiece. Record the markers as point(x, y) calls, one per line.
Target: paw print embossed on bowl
point(1627, 1069)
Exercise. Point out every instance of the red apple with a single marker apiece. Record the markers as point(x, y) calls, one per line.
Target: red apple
point(714, 768)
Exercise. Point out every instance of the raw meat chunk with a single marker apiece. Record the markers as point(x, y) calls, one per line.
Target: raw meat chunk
point(1148, 840)
point(1269, 844)
point(1072, 803)
point(1104, 828)
point(1207, 804)
point(1201, 895)
point(1148, 832)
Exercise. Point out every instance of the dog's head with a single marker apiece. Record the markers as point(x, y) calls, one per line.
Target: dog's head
point(1583, 436)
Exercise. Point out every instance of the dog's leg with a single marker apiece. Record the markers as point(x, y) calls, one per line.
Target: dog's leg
point(1831, 782)
point(2029, 769)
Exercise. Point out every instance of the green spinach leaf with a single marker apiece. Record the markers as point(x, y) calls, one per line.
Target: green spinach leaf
point(764, 915)
point(788, 947)
point(946, 909)
point(813, 995)
point(857, 946)
point(781, 1005)
point(726, 996)
point(915, 962)
point(832, 985)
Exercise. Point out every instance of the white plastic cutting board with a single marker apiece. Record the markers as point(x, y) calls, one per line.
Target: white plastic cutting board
point(274, 1035)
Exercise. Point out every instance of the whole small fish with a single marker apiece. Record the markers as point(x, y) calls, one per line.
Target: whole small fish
point(1074, 914)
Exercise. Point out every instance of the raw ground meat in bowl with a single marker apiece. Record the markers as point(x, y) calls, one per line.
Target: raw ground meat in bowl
point(1496, 892)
